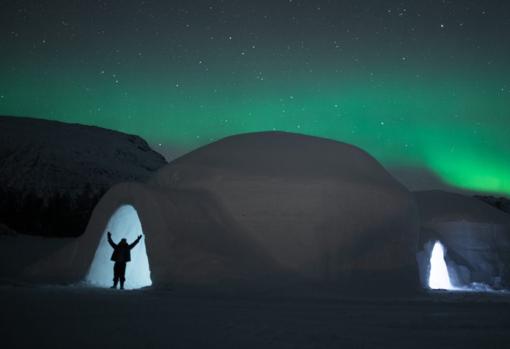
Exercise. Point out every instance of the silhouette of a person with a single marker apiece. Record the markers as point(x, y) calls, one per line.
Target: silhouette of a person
point(121, 255)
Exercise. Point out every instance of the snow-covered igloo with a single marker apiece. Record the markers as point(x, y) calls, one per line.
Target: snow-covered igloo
point(264, 207)
point(475, 236)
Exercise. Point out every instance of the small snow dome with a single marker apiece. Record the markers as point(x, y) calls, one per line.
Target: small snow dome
point(476, 236)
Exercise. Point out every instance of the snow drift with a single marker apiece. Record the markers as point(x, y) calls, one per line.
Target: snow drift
point(264, 206)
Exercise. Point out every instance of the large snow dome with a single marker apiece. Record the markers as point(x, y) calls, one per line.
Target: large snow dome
point(264, 207)
point(308, 206)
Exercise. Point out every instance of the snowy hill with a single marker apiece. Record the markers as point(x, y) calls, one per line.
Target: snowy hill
point(49, 156)
point(48, 163)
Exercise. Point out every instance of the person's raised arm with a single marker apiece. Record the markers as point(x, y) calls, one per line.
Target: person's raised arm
point(135, 242)
point(110, 241)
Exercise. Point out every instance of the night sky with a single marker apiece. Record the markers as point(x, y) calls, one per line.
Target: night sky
point(423, 86)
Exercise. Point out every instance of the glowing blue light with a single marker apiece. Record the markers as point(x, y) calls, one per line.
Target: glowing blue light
point(439, 278)
point(124, 223)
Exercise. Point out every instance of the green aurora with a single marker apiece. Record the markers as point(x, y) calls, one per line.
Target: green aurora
point(443, 106)
point(455, 125)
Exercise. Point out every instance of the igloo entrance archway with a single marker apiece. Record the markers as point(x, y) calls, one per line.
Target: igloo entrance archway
point(439, 276)
point(124, 223)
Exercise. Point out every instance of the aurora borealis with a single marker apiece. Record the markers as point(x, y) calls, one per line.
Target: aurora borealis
point(418, 84)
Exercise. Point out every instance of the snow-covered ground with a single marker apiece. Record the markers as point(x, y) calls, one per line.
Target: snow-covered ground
point(82, 317)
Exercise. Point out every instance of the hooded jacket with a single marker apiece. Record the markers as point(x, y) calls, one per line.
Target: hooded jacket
point(122, 250)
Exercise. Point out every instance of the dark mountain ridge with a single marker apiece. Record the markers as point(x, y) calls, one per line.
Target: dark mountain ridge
point(53, 173)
